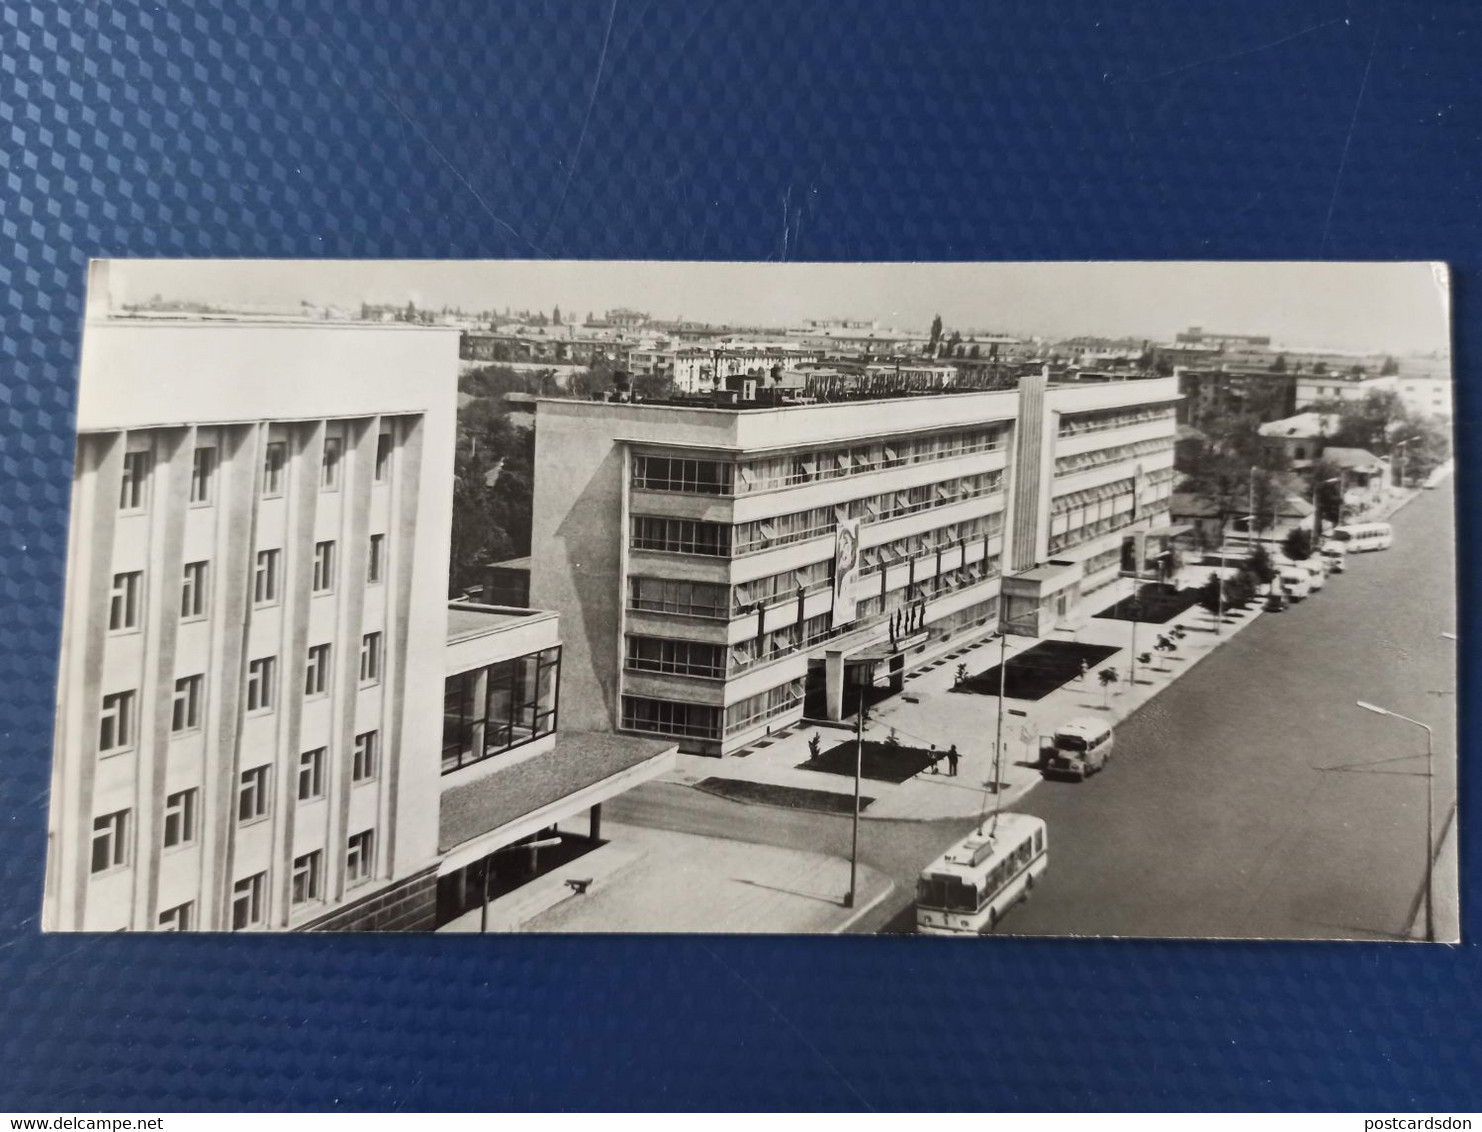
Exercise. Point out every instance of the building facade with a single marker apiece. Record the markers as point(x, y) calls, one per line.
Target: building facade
point(253, 631)
point(719, 570)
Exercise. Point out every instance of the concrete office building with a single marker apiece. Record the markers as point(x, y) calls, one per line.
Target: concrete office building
point(716, 567)
point(254, 625)
point(268, 716)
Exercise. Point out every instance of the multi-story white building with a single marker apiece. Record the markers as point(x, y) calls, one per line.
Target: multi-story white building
point(1312, 388)
point(255, 615)
point(716, 566)
point(267, 716)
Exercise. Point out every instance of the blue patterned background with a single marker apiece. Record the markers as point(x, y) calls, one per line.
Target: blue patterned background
point(723, 130)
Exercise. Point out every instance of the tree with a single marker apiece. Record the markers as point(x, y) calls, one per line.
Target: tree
point(590, 319)
point(1319, 369)
point(936, 336)
point(1298, 544)
point(1108, 677)
point(1211, 595)
point(973, 350)
point(953, 343)
point(1390, 368)
point(1260, 567)
point(556, 317)
point(1279, 365)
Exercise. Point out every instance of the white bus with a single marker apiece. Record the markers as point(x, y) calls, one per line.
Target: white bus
point(1364, 536)
point(968, 888)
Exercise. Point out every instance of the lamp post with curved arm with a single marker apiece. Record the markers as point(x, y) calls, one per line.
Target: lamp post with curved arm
point(1430, 920)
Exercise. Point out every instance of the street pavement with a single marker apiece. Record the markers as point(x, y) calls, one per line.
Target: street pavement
point(681, 882)
point(929, 712)
point(1250, 799)
point(1253, 799)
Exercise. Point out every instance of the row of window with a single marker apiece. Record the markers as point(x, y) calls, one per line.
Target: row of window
point(1116, 454)
point(112, 848)
point(491, 710)
point(133, 495)
point(676, 657)
point(723, 477)
point(719, 540)
point(118, 718)
point(706, 721)
point(126, 601)
point(1090, 529)
point(716, 601)
point(1100, 420)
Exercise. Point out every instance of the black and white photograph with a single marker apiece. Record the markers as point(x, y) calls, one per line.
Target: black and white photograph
point(944, 599)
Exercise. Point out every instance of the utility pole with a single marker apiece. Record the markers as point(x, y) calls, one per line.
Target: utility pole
point(858, 774)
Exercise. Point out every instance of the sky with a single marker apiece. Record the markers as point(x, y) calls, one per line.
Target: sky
point(1364, 307)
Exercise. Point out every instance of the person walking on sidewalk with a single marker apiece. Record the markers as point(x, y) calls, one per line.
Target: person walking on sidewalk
point(952, 758)
point(935, 758)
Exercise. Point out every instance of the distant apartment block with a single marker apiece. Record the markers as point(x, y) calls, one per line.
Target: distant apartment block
point(721, 569)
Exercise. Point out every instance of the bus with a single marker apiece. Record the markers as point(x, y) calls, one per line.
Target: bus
point(1364, 536)
point(967, 890)
point(1078, 747)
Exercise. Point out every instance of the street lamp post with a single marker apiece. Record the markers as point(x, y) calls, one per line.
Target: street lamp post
point(858, 774)
point(1430, 917)
point(1317, 513)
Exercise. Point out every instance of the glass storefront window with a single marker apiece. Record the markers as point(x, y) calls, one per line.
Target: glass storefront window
point(518, 700)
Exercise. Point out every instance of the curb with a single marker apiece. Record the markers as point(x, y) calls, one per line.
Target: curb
point(860, 913)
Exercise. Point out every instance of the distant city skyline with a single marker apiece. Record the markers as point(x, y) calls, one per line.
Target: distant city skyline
point(1400, 308)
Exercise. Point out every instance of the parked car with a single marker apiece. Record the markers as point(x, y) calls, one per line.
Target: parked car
point(1276, 603)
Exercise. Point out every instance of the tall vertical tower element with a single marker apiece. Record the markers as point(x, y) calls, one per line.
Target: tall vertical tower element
point(255, 617)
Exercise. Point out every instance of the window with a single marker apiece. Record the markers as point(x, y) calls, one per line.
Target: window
point(128, 596)
point(265, 579)
point(383, 456)
point(671, 717)
point(367, 756)
point(203, 475)
point(186, 713)
point(358, 856)
point(193, 591)
point(681, 536)
point(375, 561)
point(116, 723)
point(316, 672)
point(661, 473)
point(181, 918)
point(111, 841)
point(323, 567)
point(180, 818)
point(261, 677)
point(491, 710)
point(248, 902)
point(690, 599)
point(306, 876)
point(275, 459)
point(252, 794)
point(329, 469)
point(682, 658)
point(370, 658)
point(133, 493)
point(311, 775)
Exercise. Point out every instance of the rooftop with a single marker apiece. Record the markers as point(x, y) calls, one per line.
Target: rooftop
point(467, 619)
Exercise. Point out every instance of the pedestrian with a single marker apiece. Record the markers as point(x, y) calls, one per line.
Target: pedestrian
point(952, 758)
point(934, 759)
point(1084, 670)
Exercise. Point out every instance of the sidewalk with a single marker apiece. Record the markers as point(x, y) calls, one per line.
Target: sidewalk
point(652, 880)
point(929, 712)
point(1446, 886)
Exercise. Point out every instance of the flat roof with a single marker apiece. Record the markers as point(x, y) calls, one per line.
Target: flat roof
point(467, 620)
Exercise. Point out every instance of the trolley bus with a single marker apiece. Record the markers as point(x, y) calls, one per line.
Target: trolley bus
point(968, 888)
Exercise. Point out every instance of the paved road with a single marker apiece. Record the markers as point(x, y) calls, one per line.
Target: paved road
point(898, 849)
point(1252, 798)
